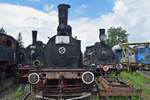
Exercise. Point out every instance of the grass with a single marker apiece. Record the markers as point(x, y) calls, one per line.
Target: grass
point(19, 92)
point(15, 93)
point(138, 80)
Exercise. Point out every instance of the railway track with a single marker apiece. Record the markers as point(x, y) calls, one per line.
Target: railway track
point(116, 88)
point(108, 89)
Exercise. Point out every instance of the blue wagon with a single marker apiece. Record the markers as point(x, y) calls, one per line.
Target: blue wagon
point(134, 55)
point(143, 55)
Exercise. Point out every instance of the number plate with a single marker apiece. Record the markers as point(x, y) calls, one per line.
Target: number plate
point(62, 40)
point(67, 75)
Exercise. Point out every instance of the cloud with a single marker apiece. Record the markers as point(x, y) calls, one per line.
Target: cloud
point(83, 6)
point(15, 19)
point(132, 15)
point(81, 9)
point(48, 7)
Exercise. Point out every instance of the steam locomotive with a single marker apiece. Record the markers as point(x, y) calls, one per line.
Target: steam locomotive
point(56, 68)
point(62, 49)
point(8, 47)
point(100, 54)
point(35, 52)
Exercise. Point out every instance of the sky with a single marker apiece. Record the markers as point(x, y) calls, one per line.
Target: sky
point(85, 16)
point(84, 8)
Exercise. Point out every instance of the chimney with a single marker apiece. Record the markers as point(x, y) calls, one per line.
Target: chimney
point(102, 31)
point(102, 35)
point(34, 36)
point(63, 13)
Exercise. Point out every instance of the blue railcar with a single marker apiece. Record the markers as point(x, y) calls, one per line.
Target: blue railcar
point(135, 55)
point(142, 55)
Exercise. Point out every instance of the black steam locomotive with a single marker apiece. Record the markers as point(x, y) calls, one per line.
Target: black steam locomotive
point(35, 52)
point(100, 54)
point(55, 68)
point(8, 47)
point(62, 50)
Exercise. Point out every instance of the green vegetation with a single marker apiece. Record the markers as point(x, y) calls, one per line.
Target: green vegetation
point(138, 80)
point(19, 92)
point(116, 35)
point(16, 93)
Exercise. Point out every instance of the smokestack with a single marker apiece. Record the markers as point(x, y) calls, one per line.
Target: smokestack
point(102, 35)
point(63, 13)
point(102, 31)
point(34, 36)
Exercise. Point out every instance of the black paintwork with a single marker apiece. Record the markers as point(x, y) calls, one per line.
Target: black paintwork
point(100, 53)
point(72, 58)
point(35, 51)
point(8, 47)
point(49, 54)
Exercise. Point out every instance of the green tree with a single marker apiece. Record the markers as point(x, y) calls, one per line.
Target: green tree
point(20, 42)
point(116, 35)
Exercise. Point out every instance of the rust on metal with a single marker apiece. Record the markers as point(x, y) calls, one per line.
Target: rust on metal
point(114, 88)
point(67, 75)
point(61, 82)
point(24, 71)
point(56, 73)
point(58, 70)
